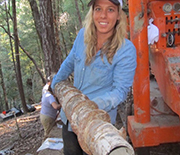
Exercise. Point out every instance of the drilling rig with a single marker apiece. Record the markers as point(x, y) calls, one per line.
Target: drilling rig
point(144, 128)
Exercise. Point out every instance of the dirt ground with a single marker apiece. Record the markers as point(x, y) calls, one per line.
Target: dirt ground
point(25, 140)
point(28, 138)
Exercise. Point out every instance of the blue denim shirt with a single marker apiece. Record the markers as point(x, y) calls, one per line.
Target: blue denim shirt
point(104, 83)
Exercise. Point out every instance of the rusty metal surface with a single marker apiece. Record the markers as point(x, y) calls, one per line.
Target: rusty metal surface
point(138, 35)
point(165, 54)
point(96, 135)
point(163, 126)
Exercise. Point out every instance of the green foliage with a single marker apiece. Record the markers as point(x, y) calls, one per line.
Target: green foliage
point(29, 41)
point(28, 38)
point(71, 27)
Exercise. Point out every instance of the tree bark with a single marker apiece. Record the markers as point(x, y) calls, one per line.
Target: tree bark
point(18, 66)
point(44, 23)
point(36, 17)
point(58, 51)
point(95, 133)
point(78, 14)
point(48, 39)
point(4, 88)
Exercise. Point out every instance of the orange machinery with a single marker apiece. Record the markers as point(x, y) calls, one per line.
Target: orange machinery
point(164, 56)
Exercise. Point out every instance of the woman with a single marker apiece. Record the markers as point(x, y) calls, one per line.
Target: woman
point(103, 62)
point(49, 111)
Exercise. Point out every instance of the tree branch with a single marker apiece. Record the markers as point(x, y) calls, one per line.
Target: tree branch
point(28, 55)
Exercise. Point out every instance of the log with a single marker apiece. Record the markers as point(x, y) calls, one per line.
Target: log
point(28, 118)
point(96, 135)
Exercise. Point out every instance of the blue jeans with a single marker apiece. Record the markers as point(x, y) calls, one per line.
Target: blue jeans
point(71, 144)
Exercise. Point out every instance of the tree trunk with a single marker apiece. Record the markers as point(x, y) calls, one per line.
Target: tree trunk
point(58, 52)
point(9, 33)
point(1, 105)
point(78, 14)
point(4, 88)
point(18, 66)
point(82, 4)
point(36, 17)
point(47, 28)
point(96, 135)
point(10, 40)
point(11, 45)
point(48, 39)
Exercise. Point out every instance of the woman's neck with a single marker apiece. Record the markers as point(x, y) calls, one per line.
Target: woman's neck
point(100, 42)
point(101, 39)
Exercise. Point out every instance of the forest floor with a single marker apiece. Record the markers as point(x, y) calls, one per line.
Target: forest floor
point(28, 138)
point(23, 137)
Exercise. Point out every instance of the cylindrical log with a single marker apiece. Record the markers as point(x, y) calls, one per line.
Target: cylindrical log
point(96, 135)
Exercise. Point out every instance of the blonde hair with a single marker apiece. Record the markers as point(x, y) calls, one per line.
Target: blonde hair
point(113, 43)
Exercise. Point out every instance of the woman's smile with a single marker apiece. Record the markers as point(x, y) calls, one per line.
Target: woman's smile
point(105, 16)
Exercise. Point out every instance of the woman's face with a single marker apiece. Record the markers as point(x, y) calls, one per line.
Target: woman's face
point(105, 16)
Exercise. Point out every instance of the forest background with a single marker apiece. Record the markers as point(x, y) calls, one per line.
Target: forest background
point(35, 38)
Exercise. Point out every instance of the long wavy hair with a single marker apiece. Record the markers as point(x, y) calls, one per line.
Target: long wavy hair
point(113, 43)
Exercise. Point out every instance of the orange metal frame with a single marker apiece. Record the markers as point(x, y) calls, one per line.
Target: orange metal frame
point(144, 129)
